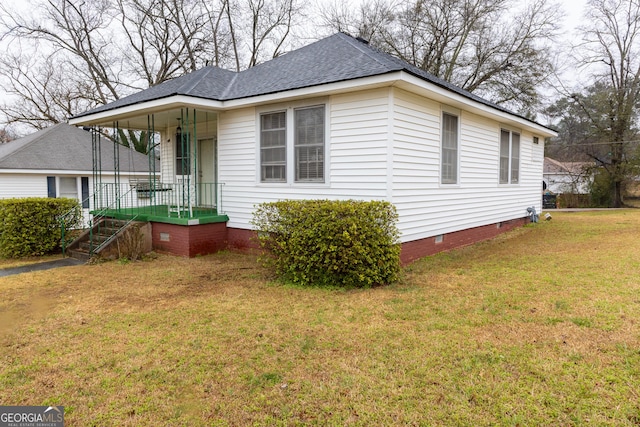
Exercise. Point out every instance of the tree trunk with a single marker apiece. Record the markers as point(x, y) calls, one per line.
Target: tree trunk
point(617, 193)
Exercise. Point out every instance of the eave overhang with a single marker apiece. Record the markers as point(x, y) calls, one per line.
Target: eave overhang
point(400, 79)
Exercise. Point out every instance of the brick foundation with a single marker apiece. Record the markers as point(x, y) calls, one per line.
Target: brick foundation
point(241, 239)
point(189, 240)
point(413, 250)
point(209, 238)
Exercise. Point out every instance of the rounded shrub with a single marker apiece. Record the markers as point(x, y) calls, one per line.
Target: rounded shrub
point(347, 243)
point(32, 226)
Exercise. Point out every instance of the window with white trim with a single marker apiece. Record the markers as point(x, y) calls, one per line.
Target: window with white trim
point(273, 147)
point(509, 157)
point(309, 144)
point(68, 187)
point(449, 155)
point(303, 144)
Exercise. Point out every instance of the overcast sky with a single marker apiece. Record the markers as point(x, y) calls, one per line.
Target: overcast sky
point(573, 11)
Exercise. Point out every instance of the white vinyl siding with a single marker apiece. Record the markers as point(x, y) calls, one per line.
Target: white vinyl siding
point(168, 156)
point(355, 162)
point(358, 144)
point(449, 161)
point(385, 144)
point(427, 209)
point(17, 185)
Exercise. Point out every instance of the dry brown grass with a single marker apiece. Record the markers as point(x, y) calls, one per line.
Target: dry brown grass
point(19, 262)
point(536, 327)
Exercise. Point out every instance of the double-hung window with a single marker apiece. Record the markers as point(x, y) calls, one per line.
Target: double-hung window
point(294, 135)
point(509, 157)
point(449, 156)
point(309, 144)
point(273, 147)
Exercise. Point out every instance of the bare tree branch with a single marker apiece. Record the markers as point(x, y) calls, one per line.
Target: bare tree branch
point(102, 50)
point(496, 48)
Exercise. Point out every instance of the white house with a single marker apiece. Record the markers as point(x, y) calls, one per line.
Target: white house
point(59, 162)
point(336, 119)
point(567, 177)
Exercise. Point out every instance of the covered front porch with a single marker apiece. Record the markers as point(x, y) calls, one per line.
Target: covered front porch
point(181, 197)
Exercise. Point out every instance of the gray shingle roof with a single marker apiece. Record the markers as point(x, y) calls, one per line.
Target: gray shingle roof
point(336, 58)
point(208, 83)
point(65, 148)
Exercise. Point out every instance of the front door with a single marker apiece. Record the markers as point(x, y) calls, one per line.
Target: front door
point(207, 172)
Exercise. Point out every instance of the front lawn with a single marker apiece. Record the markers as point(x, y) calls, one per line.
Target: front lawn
point(540, 326)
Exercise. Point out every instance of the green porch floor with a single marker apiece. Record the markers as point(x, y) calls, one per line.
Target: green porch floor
point(162, 213)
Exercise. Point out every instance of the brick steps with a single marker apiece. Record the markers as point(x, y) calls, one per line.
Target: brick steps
point(81, 248)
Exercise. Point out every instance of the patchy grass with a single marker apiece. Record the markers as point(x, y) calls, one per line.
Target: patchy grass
point(536, 327)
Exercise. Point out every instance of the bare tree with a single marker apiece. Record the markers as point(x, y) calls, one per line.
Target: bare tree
point(99, 51)
point(75, 66)
point(270, 22)
point(7, 135)
point(45, 90)
point(498, 49)
point(223, 50)
point(165, 38)
point(263, 30)
point(370, 20)
point(612, 48)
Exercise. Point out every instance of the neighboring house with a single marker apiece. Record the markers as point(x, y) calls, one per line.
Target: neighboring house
point(59, 162)
point(336, 119)
point(566, 177)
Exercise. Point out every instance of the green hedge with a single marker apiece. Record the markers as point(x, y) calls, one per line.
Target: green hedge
point(330, 243)
point(31, 226)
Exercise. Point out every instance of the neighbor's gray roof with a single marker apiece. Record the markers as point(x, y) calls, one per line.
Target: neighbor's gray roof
point(552, 166)
point(65, 148)
point(337, 58)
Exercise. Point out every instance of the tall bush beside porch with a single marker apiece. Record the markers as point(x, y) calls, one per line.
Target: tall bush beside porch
point(31, 226)
point(347, 243)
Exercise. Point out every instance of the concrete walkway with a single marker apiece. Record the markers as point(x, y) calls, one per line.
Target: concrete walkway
point(64, 262)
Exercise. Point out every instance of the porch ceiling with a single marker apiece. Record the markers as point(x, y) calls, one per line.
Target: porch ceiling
point(160, 119)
